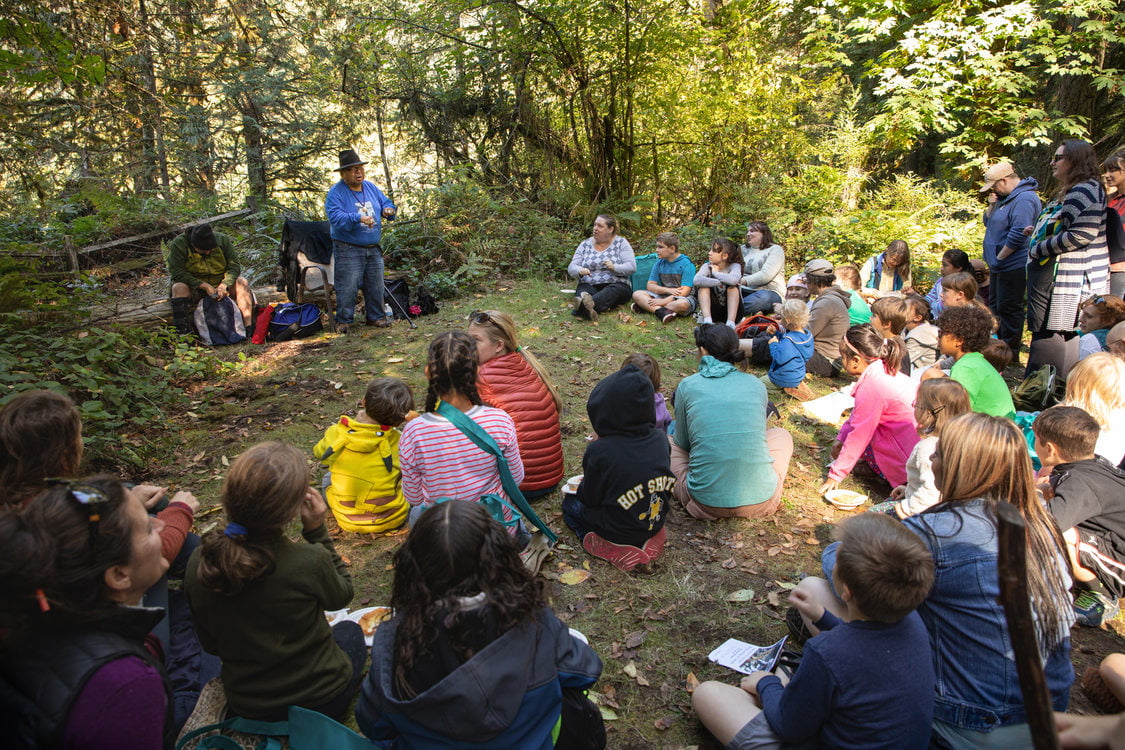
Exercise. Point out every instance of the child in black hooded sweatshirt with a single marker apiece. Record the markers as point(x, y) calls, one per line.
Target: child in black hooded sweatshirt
point(618, 511)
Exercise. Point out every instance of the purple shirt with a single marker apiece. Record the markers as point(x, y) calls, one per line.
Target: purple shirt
point(122, 705)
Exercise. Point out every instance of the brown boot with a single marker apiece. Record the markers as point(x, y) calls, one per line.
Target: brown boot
point(802, 392)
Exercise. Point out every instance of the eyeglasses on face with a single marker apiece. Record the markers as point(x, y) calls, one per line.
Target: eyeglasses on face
point(1058, 157)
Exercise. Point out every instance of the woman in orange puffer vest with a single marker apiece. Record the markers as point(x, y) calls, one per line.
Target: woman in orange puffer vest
point(512, 379)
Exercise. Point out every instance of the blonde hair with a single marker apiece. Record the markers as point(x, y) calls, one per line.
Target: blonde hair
point(794, 314)
point(1095, 386)
point(499, 326)
point(986, 457)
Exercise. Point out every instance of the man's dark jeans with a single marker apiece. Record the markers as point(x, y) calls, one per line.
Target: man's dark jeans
point(1008, 303)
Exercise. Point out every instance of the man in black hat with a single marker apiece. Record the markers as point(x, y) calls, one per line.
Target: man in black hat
point(355, 209)
point(202, 262)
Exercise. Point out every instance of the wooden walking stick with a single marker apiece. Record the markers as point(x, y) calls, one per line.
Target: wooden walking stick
point(1012, 565)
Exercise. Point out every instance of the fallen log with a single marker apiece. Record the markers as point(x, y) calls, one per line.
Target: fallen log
point(157, 233)
point(152, 314)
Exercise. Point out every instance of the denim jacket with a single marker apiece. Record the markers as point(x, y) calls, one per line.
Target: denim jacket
point(977, 684)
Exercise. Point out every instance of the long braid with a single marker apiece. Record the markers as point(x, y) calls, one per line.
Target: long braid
point(453, 368)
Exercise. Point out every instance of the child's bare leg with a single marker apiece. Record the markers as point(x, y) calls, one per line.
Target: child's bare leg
point(723, 709)
point(705, 302)
point(680, 306)
point(817, 590)
point(645, 300)
point(1112, 671)
point(734, 303)
point(1070, 536)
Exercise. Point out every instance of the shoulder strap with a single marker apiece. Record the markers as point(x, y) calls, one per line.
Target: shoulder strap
point(268, 731)
point(484, 441)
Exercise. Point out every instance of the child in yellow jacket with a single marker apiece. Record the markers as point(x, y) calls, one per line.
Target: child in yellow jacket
point(364, 482)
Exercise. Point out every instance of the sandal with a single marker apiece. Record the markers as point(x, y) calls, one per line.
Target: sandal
point(799, 632)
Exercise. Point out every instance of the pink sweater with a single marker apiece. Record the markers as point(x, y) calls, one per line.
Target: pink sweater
point(883, 417)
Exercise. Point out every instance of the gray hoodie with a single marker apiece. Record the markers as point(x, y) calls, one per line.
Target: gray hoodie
point(828, 321)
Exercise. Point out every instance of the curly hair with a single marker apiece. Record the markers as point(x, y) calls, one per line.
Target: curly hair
point(456, 550)
point(452, 364)
point(970, 325)
point(40, 437)
point(262, 491)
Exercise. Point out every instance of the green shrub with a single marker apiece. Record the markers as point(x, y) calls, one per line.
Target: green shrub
point(125, 381)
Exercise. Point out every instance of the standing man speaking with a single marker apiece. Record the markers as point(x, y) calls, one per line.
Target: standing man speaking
point(356, 209)
point(1013, 205)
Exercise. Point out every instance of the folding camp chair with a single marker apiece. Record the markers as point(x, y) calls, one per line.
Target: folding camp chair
point(305, 259)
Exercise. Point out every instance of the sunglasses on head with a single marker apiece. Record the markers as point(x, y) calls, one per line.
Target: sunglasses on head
point(86, 495)
point(480, 318)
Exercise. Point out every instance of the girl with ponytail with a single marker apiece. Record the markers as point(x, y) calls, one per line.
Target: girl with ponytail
point(258, 599)
point(438, 460)
point(881, 429)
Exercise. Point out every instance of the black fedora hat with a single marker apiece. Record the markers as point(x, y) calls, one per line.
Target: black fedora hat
point(348, 159)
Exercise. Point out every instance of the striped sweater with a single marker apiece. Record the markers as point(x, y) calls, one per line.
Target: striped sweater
point(1072, 233)
point(438, 460)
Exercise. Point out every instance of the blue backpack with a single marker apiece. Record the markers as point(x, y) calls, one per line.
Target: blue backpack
point(219, 322)
point(293, 321)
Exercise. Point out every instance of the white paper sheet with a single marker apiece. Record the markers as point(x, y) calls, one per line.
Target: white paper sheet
point(746, 657)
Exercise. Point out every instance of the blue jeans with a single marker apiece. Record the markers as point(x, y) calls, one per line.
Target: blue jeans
point(355, 266)
point(759, 302)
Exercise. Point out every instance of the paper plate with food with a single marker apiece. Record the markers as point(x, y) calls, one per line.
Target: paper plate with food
point(571, 485)
point(845, 499)
point(369, 619)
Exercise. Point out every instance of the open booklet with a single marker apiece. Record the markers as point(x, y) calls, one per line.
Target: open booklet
point(746, 657)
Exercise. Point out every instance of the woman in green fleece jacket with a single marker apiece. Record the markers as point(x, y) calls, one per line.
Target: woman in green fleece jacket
point(258, 599)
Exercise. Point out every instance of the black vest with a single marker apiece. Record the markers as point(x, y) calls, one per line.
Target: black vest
point(43, 672)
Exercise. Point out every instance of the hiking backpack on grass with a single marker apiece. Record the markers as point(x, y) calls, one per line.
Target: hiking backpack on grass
point(292, 321)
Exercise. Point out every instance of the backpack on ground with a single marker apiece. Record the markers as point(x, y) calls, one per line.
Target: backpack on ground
point(427, 305)
point(398, 289)
point(751, 326)
point(219, 322)
point(645, 263)
point(293, 321)
point(1037, 391)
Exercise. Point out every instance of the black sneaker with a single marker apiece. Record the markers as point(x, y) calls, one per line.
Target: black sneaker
point(799, 632)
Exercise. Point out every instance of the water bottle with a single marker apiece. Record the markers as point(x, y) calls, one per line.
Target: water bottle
point(387, 310)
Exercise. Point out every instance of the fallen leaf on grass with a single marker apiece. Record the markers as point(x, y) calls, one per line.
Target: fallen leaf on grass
point(742, 595)
point(773, 551)
point(812, 540)
point(692, 682)
point(773, 599)
point(664, 722)
point(574, 576)
point(729, 563)
point(634, 640)
point(630, 669)
point(394, 360)
point(608, 714)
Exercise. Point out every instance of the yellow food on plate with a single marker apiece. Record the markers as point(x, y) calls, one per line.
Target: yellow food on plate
point(371, 620)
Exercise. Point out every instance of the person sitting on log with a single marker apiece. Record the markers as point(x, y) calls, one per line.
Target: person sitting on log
point(203, 262)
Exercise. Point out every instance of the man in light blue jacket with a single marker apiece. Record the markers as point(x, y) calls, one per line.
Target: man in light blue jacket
point(1013, 205)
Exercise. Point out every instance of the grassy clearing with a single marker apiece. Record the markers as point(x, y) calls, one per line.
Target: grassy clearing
point(652, 631)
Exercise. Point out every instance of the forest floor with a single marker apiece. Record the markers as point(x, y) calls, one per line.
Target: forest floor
point(653, 631)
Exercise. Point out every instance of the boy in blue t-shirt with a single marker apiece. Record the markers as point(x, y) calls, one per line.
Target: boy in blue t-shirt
point(668, 292)
point(866, 680)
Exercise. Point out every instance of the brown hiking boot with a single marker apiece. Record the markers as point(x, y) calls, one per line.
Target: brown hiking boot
point(802, 392)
